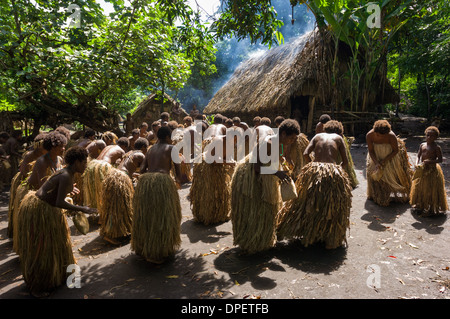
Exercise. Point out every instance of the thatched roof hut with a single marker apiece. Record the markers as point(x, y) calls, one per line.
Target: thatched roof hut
point(150, 109)
point(293, 80)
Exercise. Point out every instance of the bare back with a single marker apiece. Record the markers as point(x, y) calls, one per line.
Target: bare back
point(111, 154)
point(95, 147)
point(216, 130)
point(327, 147)
point(42, 169)
point(159, 158)
point(131, 162)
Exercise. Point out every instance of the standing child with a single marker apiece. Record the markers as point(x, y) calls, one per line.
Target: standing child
point(428, 184)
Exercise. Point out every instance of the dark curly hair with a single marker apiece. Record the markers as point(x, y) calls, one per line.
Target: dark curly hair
point(75, 153)
point(433, 129)
point(89, 133)
point(324, 118)
point(164, 132)
point(140, 143)
point(123, 141)
point(4, 135)
point(218, 119)
point(64, 131)
point(53, 139)
point(165, 115)
point(265, 121)
point(382, 127)
point(279, 119)
point(172, 125)
point(290, 127)
point(39, 140)
point(333, 126)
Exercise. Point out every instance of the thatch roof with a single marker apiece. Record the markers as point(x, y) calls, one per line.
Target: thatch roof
point(149, 110)
point(264, 85)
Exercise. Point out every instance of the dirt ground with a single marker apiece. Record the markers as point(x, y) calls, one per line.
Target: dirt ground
point(391, 254)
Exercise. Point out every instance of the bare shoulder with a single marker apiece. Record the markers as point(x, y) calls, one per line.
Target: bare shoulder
point(392, 135)
point(370, 134)
point(41, 161)
point(338, 138)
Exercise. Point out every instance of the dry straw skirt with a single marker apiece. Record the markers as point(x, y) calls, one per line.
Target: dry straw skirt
point(117, 211)
point(15, 183)
point(428, 190)
point(351, 165)
point(78, 180)
point(156, 229)
point(19, 188)
point(93, 178)
point(210, 193)
point(43, 244)
point(255, 201)
point(296, 154)
point(5, 173)
point(393, 181)
point(321, 211)
point(23, 189)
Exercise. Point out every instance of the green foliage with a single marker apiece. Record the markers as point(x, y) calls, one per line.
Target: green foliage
point(230, 52)
point(421, 54)
point(255, 19)
point(105, 64)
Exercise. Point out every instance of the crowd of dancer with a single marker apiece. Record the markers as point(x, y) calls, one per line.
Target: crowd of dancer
point(129, 186)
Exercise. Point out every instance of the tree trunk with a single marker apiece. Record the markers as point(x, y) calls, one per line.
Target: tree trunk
point(89, 113)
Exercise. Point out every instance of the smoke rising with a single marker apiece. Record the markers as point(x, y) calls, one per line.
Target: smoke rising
point(231, 53)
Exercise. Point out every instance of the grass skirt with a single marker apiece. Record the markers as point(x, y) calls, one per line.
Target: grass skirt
point(394, 179)
point(428, 190)
point(23, 189)
point(15, 183)
point(296, 154)
point(351, 166)
point(255, 201)
point(78, 180)
point(93, 177)
point(43, 243)
point(210, 193)
point(116, 211)
point(321, 211)
point(156, 231)
point(5, 173)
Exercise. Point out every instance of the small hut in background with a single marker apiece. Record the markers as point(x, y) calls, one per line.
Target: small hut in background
point(150, 109)
point(294, 80)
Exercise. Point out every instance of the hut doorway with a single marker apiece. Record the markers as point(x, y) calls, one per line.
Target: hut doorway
point(300, 108)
